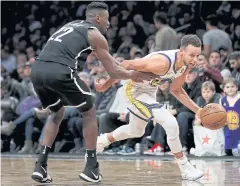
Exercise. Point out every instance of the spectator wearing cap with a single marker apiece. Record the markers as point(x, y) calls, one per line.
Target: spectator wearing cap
point(211, 39)
point(166, 37)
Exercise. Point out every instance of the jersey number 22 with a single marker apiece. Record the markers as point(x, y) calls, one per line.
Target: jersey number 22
point(60, 33)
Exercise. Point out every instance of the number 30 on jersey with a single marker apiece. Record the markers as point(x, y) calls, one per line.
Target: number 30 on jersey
point(155, 82)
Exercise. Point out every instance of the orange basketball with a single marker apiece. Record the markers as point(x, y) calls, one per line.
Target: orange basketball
point(213, 116)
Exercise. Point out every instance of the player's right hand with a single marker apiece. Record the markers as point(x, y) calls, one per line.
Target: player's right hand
point(197, 115)
point(140, 76)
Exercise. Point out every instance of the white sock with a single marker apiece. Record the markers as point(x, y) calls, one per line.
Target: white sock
point(181, 161)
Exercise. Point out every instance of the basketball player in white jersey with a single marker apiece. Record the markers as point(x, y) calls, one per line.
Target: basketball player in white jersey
point(172, 66)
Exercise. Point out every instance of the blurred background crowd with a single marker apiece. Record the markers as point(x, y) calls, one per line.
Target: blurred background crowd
point(137, 28)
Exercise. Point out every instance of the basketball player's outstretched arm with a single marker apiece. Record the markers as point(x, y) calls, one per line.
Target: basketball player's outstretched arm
point(178, 92)
point(101, 49)
point(156, 64)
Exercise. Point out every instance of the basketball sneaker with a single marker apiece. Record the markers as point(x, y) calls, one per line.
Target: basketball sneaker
point(102, 142)
point(156, 149)
point(91, 174)
point(127, 151)
point(40, 174)
point(188, 171)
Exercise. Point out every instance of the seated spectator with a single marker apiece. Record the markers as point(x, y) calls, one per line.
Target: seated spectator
point(208, 94)
point(105, 99)
point(27, 118)
point(9, 99)
point(234, 60)
point(70, 113)
point(19, 72)
point(8, 61)
point(207, 142)
point(224, 55)
point(149, 45)
point(13, 95)
point(215, 61)
point(75, 127)
point(206, 73)
point(236, 33)
point(231, 103)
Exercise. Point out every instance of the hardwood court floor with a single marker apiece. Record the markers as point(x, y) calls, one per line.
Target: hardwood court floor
point(219, 172)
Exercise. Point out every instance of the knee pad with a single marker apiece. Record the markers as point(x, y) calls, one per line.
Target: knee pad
point(171, 127)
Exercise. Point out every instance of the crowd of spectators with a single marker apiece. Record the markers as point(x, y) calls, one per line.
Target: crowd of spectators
point(133, 33)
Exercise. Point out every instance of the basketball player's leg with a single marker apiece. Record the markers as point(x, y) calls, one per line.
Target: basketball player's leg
point(78, 94)
point(43, 77)
point(135, 128)
point(72, 92)
point(51, 102)
point(169, 123)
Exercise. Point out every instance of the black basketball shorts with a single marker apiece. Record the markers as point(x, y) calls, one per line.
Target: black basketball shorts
point(58, 85)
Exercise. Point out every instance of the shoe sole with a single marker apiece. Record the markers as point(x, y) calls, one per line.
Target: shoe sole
point(84, 177)
point(108, 153)
point(39, 178)
point(154, 153)
point(194, 179)
point(126, 154)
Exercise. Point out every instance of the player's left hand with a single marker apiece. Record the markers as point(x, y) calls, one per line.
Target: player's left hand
point(103, 86)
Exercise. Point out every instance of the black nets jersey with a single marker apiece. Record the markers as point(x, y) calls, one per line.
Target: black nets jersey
point(69, 45)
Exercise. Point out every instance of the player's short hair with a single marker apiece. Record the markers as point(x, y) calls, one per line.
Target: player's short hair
point(230, 80)
point(234, 55)
point(209, 85)
point(96, 5)
point(190, 39)
point(160, 17)
point(212, 20)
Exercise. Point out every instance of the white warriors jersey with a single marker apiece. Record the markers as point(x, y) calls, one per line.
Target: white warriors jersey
point(171, 73)
point(142, 96)
point(151, 86)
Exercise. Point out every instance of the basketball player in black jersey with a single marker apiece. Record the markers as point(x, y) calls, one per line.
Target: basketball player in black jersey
point(55, 80)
